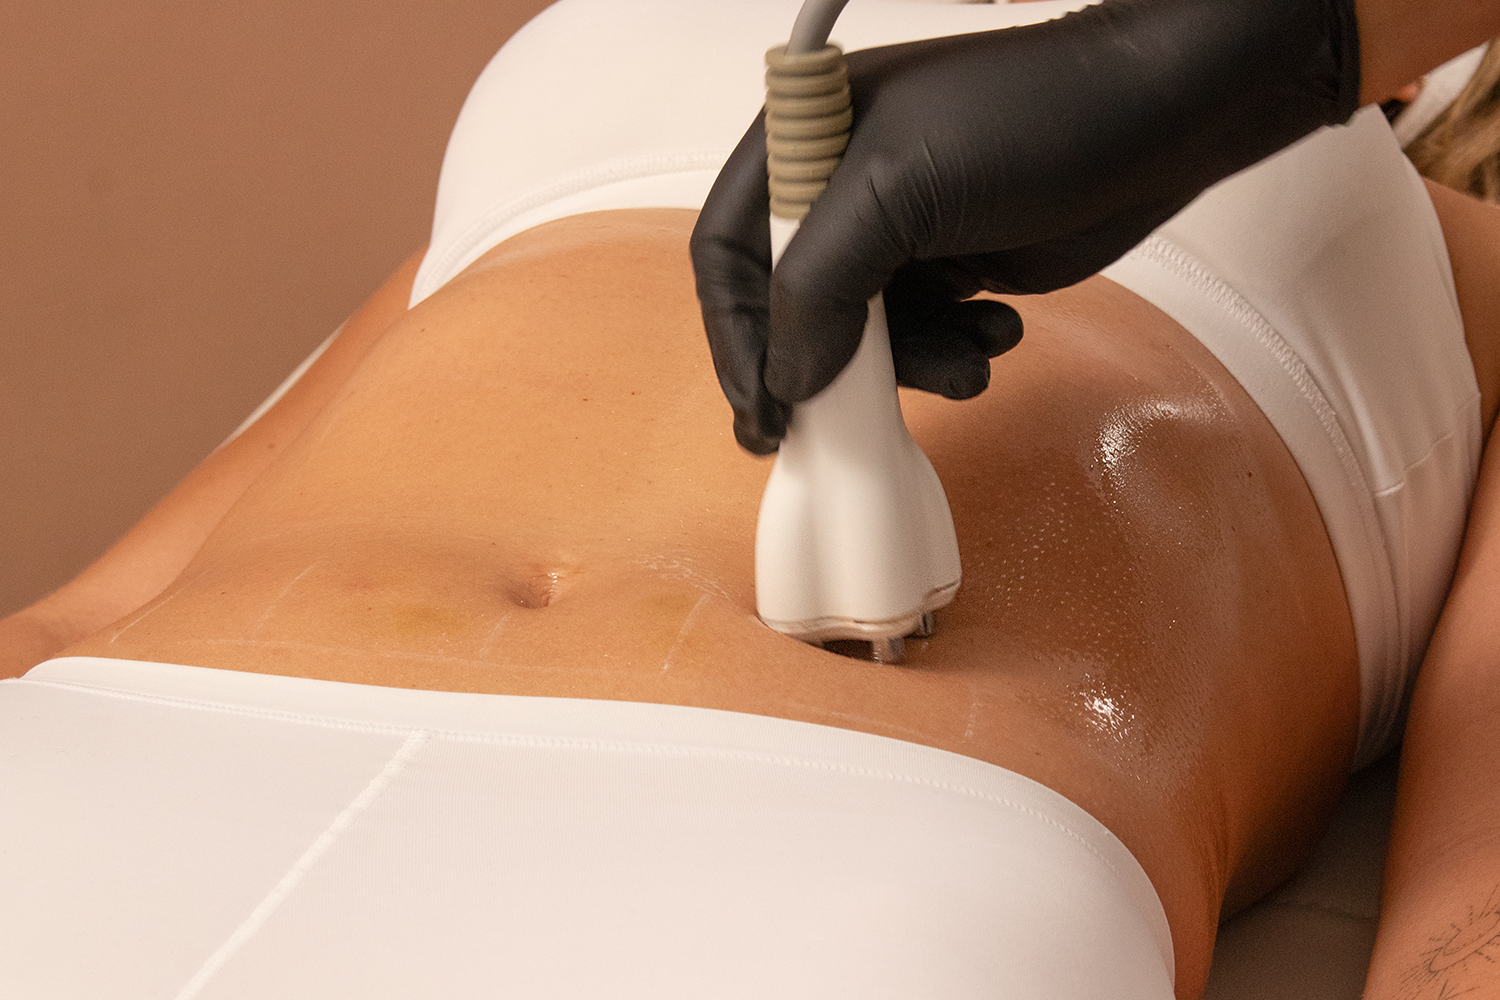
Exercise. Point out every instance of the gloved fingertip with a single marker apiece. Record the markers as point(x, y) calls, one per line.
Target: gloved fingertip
point(759, 429)
point(946, 373)
point(993, 327)
point(966, 381)
point(753, 441)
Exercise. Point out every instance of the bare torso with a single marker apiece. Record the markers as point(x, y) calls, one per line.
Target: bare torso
point(529, 486)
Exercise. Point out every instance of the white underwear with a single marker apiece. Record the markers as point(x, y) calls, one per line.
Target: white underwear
point(599, 104)
point(181, 832)
point(1320, 278)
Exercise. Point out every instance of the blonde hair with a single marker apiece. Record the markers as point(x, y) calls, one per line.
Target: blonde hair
point(1461, 148)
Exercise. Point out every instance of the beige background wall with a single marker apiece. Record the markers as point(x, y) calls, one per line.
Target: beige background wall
point(192, 195)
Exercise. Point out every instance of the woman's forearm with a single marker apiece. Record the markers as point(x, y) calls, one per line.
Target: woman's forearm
point(1399, 40)
point(153, 552)
point(1439, 934)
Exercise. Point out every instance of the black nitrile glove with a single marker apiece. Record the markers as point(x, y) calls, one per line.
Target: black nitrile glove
point(1021, 160)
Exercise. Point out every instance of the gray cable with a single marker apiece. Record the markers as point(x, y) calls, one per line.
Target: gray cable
point(813, 25)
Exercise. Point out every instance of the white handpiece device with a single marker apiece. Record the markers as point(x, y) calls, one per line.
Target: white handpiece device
point(855, 539)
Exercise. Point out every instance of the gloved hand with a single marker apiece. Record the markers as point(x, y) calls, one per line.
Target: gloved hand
point(1019, 161)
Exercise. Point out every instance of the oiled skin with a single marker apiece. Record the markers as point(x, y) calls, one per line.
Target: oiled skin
point(529, 486)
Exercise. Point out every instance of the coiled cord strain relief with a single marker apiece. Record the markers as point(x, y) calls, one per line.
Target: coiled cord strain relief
point(808, 118)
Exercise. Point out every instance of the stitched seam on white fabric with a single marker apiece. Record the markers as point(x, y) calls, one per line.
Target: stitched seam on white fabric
point(1177, 261)
point(300, 868)
point(1426, 457)
point(584, 179)
point(577, 743)
point(1164, 254)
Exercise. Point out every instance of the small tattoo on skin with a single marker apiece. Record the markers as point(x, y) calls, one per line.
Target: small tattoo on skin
point(1447, 967)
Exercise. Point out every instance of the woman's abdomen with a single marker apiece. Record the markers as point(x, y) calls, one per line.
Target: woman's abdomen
point(530, 487)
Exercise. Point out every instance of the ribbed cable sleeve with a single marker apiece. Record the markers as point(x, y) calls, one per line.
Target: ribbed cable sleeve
point(808, 117)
